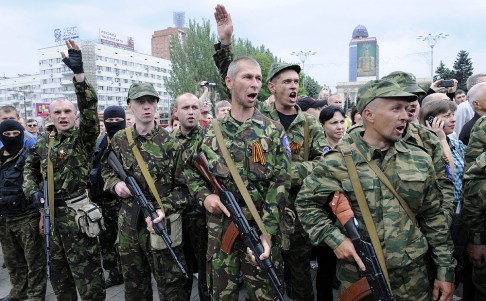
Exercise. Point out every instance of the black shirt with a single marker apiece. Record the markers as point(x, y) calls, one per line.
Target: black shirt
point(286, 120)
point(466, 129)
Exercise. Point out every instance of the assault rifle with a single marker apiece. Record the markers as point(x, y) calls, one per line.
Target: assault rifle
point(249, 236)
point(374, 282)
point(47, 229)
point(146, 206)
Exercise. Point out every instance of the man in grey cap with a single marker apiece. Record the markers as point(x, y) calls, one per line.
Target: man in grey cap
point(404, 234)
point(141, 251)
point(306, 139)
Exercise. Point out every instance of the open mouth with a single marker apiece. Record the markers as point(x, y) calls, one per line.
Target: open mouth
point(400, 129)
point(293, 95)
point(63, 123)
point(252, 96)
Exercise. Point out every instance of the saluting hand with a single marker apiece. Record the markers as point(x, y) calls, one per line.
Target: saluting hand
point(225, 24)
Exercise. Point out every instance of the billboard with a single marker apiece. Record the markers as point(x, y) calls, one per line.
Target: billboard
point(63, 34)
point(113, 39)
point(366, 58)
point(41, 109)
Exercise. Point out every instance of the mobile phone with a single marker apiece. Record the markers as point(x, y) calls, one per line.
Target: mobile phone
point(430, 119)
point(447, 83)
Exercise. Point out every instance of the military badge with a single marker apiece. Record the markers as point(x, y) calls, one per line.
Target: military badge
point(295, 146)
point(62, 154)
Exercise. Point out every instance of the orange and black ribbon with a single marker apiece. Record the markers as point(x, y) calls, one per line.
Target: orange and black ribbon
point(295, 146)
point(258, 155)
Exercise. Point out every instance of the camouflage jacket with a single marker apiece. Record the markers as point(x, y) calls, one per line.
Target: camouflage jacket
point(295, 133)
point(410, 171)
point(71, 152)
point(267, 182)
point(475, 184)
point(187, 146)
point(420, 136)
point(159, 152)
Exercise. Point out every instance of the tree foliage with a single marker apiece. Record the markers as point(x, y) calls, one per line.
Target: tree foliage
point(462, 69)
point(312, 87)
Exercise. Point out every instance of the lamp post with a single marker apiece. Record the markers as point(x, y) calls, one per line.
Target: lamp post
point(303, 55)
point(432, 40)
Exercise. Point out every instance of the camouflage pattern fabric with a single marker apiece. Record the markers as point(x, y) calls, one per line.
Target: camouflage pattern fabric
point(268, 186)
point(23, 252)
point(194, 228)
point(411, 172)
point(431, 144)
point(137, 258)
point(110, 206)
point(475, 197)
point(75, 257)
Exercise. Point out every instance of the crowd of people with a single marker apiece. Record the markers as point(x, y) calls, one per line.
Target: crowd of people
point(395, 166)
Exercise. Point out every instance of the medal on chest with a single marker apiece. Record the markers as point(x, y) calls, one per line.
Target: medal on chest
point(62, 154)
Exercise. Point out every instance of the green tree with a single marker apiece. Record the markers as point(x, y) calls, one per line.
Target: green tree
point(443, 72)
point(312, 87)
point(462, 69)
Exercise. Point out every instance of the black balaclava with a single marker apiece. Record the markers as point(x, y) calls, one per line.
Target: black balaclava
point(113, 127)
point(12, 144)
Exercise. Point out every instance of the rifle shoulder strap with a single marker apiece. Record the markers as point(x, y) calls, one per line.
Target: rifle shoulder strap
point(306, 137)
point(143, 167)
point(239, 182)
point(416, 135)
point(50, 177)
point(347, 152)
point(383, 178)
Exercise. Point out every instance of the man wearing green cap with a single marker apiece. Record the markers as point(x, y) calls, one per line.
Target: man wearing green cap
point(404, 239)
point(140, 249)
point(306, 140)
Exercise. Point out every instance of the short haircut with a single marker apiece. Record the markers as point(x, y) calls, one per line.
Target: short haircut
point(459, 92)
point(31, 120)
point(234, 66)
point(8, 109)
point(221, 104)
point(434, 108)
point(187, 94)
point(474, 79)
point(475, 92)
point(327, 113)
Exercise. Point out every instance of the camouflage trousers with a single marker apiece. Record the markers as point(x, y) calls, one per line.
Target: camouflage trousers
point(224, 270)
point(410, 283)
point(479, 281)
point(195, 236)
point(110, 206)
point(23, 252)
point(139, 261)
point(297, 262)
point(75, 260)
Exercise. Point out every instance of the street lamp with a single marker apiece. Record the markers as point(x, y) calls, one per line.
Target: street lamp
point(303, 55)
point(432, 40)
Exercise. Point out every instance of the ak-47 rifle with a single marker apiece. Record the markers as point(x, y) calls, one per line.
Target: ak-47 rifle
point(47, 229)
point(249, 236)
point(374, 282)
point(146, 206)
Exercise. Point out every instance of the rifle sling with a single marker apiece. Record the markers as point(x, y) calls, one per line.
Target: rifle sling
point(143, 168)
point(365, 210)
point(306, 138)
point(50, 178)
point(239, 182)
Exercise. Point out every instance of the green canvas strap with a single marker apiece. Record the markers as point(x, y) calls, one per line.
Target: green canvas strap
point(50, 177)
point(143, 168)
point(363, 206)
point(306, 138)
point(239, 181)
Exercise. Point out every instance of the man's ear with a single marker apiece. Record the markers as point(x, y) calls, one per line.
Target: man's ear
point(368, 115)
point(271, 87)
point(174, 111)
point(228, 82)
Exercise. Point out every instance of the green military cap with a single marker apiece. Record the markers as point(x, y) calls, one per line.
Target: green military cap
point(381, 89)
point(138, 90)
point(407, 81)
point(276, 68)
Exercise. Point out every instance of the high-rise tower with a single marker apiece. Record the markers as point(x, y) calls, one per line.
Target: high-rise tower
point(363, 56)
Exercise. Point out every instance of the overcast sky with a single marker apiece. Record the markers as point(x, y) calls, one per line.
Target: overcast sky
point(282, 26)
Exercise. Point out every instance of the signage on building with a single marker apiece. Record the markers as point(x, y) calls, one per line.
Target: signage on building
point(41, 109)
point(63, 34)
point(366, 58)
point(114, 39)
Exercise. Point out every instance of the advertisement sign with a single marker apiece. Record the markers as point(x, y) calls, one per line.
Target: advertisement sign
point(367, 58)
point(113, 39)
point(41, 109)
point(63, 34)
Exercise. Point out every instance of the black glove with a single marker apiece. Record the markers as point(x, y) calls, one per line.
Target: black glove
point(74, 61)
point(35, 197)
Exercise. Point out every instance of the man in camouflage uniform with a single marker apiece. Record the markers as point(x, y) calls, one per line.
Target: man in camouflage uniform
point(283, 82)
point(140, 253)
point(265, 174)
point(421, 136)
point(474, 198)
point(75, 257)
point(113, 120)
point(404, 240)
point(22, 246)
point(195, 233)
